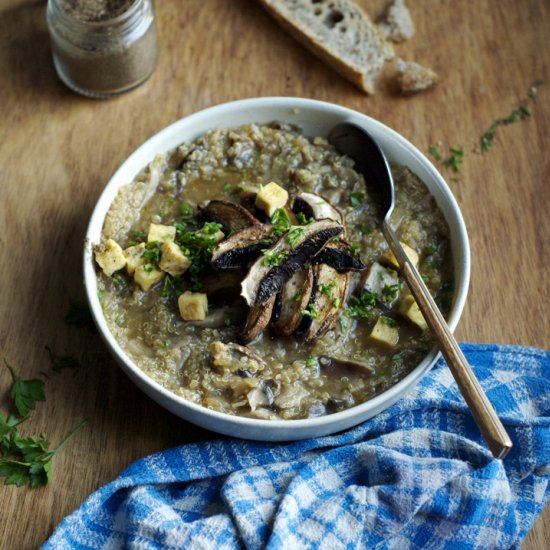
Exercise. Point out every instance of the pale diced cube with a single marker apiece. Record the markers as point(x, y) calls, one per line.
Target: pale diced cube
point(110, 257)
point(385, 332)
point(146, 276)
point(270, 197)
point(410, 310)
point(173, 260)
point(390, 258)
point(161, 233)
point(193, 306)
point(381, 281)
point(134, 257)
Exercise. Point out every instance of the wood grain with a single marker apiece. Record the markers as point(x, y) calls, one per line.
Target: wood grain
point(57, 150)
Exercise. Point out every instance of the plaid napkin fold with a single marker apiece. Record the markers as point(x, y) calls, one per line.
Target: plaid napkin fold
point(415, 476)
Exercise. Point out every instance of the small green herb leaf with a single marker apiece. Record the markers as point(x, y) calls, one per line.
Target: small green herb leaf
point(435, 152)
point(25, 393)
point(60, 362)
point(356, 198)
point(79, 315)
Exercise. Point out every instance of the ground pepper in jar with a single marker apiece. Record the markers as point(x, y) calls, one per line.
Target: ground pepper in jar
point(103, 47)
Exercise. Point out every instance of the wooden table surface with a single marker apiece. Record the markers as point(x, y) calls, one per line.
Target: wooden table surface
point(57, 151)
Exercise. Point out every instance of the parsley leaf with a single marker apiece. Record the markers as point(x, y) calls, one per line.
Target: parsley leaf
point(25, 393)
point(281, 221)
point(294, 234)
point(272, 258)
point(435, 152)
point(31, 461)
point(310, 312)
point(356, 198)
point(456, 158)
point(303, 219)
point(312, 362)
point(361, 306)
point(60, 362)
point(79, 315)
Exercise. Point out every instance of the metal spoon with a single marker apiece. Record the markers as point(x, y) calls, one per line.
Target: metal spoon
point(359, 145)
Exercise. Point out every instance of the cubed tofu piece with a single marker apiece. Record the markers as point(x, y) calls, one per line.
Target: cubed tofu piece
point(193, 306)
point(389, 257)
point(410, 310)
point(134, 257)
point(146, 276)
point(381, 281)
point(161, 233)
point(384, 332)
point(173, 260)
point(219, 235)
point(110, 257)
point(270, 197)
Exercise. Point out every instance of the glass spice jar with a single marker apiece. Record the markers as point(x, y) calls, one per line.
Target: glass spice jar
point(102, 48)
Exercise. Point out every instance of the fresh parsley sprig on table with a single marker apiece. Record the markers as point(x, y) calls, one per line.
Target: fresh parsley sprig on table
point(26, 460)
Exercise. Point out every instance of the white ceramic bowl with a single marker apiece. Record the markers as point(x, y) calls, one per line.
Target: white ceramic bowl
point(316, 118)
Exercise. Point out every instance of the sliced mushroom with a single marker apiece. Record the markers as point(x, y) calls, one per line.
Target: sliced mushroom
point(333, 366)
point(248, 201)
point(263, 280)
point(258, 318)
point(239, 249)
point(231, 215)
point(340, 256)
point(234, 358)
point(326, 302)
point(293, 298)
point(316, 207)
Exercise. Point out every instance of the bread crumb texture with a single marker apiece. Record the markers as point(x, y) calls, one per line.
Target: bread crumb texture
point(413, 78)
point(396, 24)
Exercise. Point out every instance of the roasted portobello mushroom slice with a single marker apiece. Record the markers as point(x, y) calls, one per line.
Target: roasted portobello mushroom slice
point(232, 216)
point(270, 272)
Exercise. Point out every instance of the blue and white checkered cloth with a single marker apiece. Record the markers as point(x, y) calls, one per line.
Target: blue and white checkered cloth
point(416, 476)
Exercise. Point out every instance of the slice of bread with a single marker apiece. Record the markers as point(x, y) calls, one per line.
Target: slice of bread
point(413, 78)
point(396, 24)
point(338, 32)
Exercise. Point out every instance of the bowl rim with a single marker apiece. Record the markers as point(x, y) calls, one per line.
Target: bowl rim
point(175, 402)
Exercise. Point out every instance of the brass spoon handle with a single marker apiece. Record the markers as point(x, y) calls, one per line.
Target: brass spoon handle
point(484, 414)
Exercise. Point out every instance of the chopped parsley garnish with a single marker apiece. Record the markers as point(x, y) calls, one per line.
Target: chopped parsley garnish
point(355, 249)
point(327, 289)
point(310, 312)
point(294, 234)
point(435, 152)
point(152, 254)
point(361, 306)
point(364, 229)
point(198, 246)
point(119, 280)
point(60, 362)
point(356, 198)
point(486, 139)
point(389, 322)
point(79, 315)
point(186, 213)
point(272, 258)
point(312, 362)
point(281, 221)
point(227, 187)
point(303, 219)
point(391, 291)
point(454, 161)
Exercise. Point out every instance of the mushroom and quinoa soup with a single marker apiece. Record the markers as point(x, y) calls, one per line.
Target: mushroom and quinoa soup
point(246, 272)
